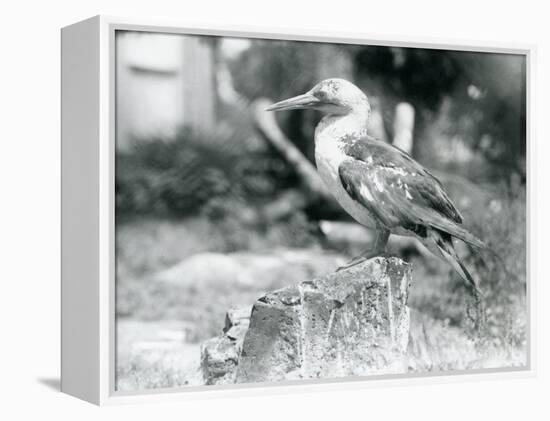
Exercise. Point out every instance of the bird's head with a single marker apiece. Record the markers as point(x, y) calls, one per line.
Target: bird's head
point(331, 96)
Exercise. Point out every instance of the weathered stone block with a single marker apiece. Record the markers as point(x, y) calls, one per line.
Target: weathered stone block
point(349, 323)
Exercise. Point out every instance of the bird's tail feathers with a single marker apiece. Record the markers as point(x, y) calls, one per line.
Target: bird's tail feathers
point(457, 231)
point(463, 234)
point(445, 246)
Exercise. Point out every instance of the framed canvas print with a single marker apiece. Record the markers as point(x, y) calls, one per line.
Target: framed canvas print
point(249, 210)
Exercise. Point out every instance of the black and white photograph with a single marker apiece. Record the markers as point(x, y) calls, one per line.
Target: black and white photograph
point(290, 211)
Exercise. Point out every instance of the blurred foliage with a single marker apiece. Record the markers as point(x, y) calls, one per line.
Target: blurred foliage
point(275, 69)
point(474, 97)
point(192, 174)
point(485, 93)
point(503, 227)
point(281, 69)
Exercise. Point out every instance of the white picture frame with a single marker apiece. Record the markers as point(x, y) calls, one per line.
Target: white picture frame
point(88, 255)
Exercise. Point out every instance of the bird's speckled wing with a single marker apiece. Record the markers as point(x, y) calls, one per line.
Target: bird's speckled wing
point(397, 190)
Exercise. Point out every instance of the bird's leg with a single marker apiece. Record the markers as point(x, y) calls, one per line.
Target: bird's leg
point(377, 249)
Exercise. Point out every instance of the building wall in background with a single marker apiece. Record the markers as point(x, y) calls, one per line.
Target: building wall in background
point(163, 82)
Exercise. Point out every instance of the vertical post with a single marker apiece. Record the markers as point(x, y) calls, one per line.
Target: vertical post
point(403, 126)
point(199, 90)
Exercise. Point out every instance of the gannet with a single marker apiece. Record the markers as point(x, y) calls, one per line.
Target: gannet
point(379, 185)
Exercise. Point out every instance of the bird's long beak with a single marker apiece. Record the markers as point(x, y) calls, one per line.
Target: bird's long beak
point(296, 103)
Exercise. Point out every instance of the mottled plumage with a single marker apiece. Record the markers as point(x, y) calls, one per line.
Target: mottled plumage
point(401, 193)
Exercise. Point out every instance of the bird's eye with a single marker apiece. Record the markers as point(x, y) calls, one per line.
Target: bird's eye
point(321, 94)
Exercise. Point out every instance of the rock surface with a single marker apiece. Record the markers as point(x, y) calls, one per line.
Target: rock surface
point(348, 323)
point(219, 359)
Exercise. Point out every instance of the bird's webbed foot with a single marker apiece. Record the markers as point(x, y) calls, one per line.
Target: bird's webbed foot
point(362, 258)
point(377, 250)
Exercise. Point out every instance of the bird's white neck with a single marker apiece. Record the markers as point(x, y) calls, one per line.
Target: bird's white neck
point(334, 127)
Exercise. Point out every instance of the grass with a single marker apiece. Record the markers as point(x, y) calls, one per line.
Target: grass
point(155, 355)
point(442, 296)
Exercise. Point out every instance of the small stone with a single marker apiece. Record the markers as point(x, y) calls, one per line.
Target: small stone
point(219, 358)
point(220, 355)
point(237, 316)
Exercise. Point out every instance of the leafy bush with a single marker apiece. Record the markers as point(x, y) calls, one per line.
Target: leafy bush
point(180, 177)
